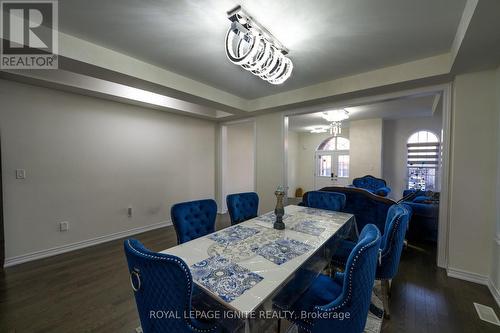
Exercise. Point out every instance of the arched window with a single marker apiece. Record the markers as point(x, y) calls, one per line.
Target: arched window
point(334, 143)
point(423, 137)
point(423, 160)
point(332, 158)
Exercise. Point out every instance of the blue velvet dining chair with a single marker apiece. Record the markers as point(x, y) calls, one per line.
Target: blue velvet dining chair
point(391, 247)
point(396, 226)
point(325, 200)
point(341, 303)
point(162, 282)
point(193, 219)
point(242, 206)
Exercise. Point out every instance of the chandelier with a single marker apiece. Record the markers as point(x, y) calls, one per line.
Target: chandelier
point(251, 46)
point(335, 118)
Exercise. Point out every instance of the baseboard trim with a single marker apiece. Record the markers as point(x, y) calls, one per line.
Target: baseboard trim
point(467, 276)
point(494, 291)
point(12, 261)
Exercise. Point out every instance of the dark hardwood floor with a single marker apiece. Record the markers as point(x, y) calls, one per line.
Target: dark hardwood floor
point(88, 291)
point(425, 300)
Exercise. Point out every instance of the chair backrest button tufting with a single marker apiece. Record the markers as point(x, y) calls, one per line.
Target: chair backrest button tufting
point(199, 222)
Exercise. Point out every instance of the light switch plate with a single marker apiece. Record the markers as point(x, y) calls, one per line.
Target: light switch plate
point(63, 226)
point(20, 174)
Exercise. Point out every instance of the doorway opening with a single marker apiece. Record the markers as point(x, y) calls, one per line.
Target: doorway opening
point(332, 162)
point(378, 130)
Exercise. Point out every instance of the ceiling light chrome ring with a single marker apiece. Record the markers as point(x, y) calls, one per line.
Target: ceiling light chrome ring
point(271, 63)
point(261, 57)
point(235, 58)
point(287, 71)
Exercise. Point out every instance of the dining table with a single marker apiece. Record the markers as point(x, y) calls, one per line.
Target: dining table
point(241, 272)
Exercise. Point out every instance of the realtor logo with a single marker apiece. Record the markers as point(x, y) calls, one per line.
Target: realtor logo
point(29, 34)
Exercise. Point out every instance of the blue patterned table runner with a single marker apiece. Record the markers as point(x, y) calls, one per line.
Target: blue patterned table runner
point(224, 278)
point(308, 227)
point(282, 250)
point(233, 234)
point(270, 217)
point(318, 212)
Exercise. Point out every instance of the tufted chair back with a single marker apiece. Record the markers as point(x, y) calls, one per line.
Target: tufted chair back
point(161, 282)
point(357, 286)
point(372, 184)
point(325, 200)
point(368, 182)
point(391, 246)
point(193, 219)
point(242, 206)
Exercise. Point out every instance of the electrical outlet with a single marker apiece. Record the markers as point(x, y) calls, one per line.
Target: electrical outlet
point(20, 174)
point(63, 226)
point(129, 212)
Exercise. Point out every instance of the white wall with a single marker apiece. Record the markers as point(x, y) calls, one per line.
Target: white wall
point(270, 155)
point(366, 148)
point(240, 157)
point(474, 150)
point(293, 162)
point(495, 269)
point(88, 159)
point(396, 133)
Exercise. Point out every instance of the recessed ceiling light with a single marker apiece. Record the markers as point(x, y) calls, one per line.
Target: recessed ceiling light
point(319, 129)
point(335, 115)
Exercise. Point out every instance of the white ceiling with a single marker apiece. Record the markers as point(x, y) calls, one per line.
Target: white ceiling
point(411, 107)
point(327, 39)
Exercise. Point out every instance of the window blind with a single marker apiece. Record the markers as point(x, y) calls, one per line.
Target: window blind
point(423, 155)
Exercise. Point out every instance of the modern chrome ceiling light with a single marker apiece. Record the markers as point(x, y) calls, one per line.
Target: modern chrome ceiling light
point(251, 46)
point(335, 118)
